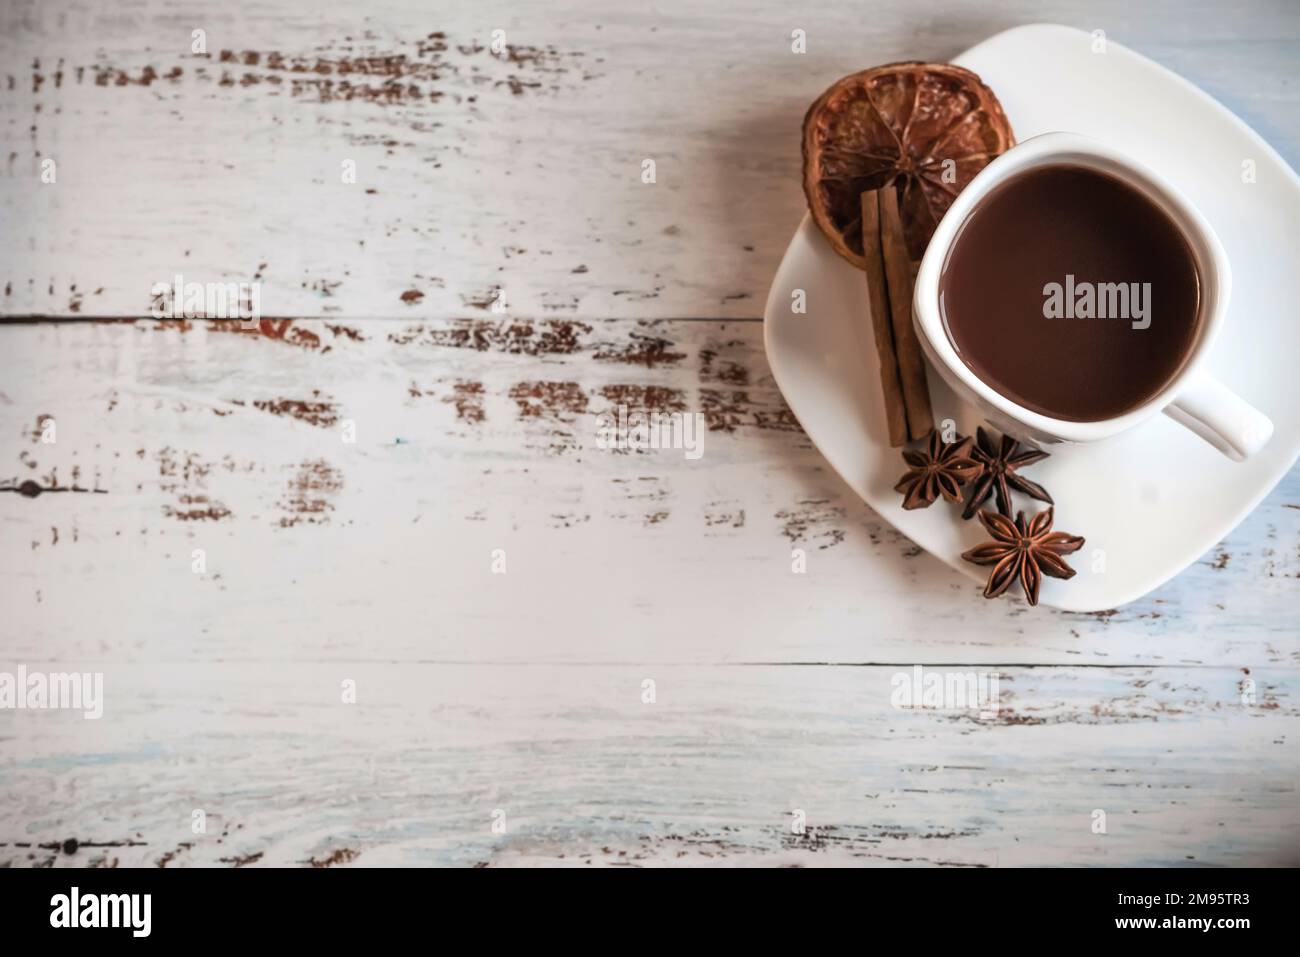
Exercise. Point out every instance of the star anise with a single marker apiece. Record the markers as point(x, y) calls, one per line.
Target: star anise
point(1023, 551)
point(941, 468)
point(999, 460)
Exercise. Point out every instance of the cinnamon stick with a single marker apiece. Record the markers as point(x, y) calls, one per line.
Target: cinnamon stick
point(882, 323)
point(899, 282)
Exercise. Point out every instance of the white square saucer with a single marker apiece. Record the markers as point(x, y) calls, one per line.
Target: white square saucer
point(1153, 500)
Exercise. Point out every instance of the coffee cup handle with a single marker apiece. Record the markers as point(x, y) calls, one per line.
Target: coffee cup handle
point(1221, 417)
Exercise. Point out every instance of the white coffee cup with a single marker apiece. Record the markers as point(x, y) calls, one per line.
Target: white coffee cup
point(1193, 398)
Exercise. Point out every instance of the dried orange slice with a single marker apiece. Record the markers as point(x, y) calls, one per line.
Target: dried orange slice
point(928, 128)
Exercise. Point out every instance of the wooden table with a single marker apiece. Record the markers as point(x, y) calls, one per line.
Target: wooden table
point(558, 653)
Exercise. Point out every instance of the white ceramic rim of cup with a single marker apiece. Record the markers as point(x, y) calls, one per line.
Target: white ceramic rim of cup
point(1051, 149)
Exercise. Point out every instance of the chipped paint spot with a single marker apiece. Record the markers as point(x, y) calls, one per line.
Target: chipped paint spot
point(307, 497)
point(813, 520)
point(467, 397)
point(305, 338)
point(482, 300)
point(726, 411)
point(553, 407)
point(345, 332)
point(726, 370)
point(180, 468)
point(724, 515)
point(516, 337)
point(290, 331)
point(196, 508)
point(242, 861)
point(643, 487)
point(568, 519)
point(427, 69)
point(645, 398)
point(557, 400)
point(315, 411)
point(171, 855)
point(644, 350)
point(343, 855)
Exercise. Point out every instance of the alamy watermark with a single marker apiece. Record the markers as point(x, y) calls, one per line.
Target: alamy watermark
point(1098, 300)
point(49, 691)
point(130, 911)
point(179, 299)
point(644, 431)
point(946, 691)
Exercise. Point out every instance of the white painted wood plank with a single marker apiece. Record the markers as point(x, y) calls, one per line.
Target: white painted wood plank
point(474, 437)
point(710, 773)
point(477, 175)
point(371, 561)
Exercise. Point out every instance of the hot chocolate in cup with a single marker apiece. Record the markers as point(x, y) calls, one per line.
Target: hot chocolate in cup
point(1071, 293)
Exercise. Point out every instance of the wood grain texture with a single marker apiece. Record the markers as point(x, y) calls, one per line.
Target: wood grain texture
point(481, 435)
point(711, 773)
point(514, 177)
point(497, 277)
point(521, 692)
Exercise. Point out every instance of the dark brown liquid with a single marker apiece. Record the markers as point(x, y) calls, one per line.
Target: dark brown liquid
point(1038, 229)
